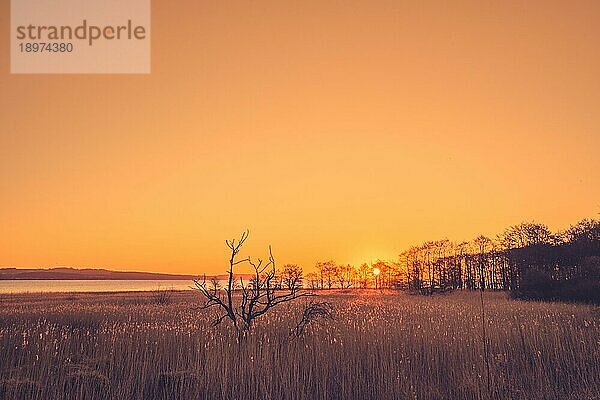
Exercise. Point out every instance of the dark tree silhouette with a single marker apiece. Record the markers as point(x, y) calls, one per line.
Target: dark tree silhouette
point(257, 296)
point(527, 259)
point(292, 277)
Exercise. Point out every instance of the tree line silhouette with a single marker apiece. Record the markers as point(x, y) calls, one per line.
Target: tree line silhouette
point(527, 259)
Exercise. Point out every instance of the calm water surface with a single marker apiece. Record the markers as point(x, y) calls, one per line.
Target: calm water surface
point(22, 286)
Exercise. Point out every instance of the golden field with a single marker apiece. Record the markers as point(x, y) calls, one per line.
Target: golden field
point(380, 345)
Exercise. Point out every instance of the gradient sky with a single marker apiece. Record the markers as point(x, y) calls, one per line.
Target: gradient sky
point(331, 129)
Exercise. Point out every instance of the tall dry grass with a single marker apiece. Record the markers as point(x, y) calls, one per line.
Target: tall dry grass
point(380, 346)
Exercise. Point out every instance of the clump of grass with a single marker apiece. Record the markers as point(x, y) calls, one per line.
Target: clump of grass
point(314, 311)
point(162, 296)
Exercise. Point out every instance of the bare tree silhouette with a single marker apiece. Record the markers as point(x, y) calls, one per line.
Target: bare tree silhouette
point(257, 296)
point(292, 276)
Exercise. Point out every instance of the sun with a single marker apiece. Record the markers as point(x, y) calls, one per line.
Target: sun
point(376, 271)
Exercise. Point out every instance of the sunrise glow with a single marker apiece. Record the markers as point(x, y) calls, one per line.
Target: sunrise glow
point(327, 131)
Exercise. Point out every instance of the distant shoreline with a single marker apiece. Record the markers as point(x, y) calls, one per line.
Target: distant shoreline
point(69, 273)
point(99, 279)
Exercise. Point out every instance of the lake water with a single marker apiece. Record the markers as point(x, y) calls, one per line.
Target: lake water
point(33, 286)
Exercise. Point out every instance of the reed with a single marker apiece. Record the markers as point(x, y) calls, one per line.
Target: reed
point(379, 346)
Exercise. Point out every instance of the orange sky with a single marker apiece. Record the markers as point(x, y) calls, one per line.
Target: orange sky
point(345, 130)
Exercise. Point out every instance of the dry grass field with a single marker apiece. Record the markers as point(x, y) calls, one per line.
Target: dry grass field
point(379, 346)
